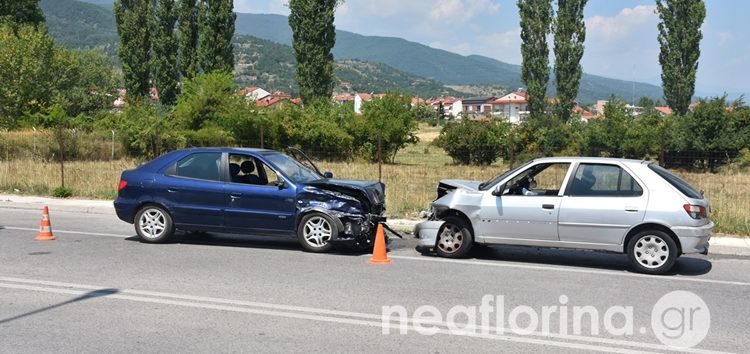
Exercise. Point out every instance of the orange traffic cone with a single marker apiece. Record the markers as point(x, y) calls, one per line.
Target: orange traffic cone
point(379, 253)
point(45, 227)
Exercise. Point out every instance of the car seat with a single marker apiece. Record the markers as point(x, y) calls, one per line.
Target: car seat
point(234, 171)
point(247, 168)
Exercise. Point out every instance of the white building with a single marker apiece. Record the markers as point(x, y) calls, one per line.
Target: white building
point(511, 107)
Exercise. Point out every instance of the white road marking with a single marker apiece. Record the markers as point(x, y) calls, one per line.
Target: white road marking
point(67, 232)
point(503, 264)
point(326, 315)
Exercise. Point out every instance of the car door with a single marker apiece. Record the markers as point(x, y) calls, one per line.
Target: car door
point(601, 203)
point(528, 207)
point(193, 190)
point(257, 198)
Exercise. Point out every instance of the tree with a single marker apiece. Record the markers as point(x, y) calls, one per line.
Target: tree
point(536, 18)
point(387, 121)
point(26, 77)
point(21, 12)
point(570, 33)
point(471, 142)
point(164, 56)
point(679, 41)
point(313, 37)
point(216, 25)
point(187, 17)
point(205, 100)
point(132, 17)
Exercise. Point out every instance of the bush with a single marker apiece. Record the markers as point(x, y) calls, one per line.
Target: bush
point(473, 142)
point(209, 136)
point(62, 192)
point(319, 130)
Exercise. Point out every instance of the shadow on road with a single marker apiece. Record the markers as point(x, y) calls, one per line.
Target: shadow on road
point(685, 265)
point(249, 241)
point(86, 296)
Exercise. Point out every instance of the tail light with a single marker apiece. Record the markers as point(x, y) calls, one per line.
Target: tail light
point(695, 211)
point(122, 185)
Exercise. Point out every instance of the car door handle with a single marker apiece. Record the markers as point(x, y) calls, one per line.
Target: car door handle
point(172, 190)
point(548, 206)
point(235, 195)
point(631, 209)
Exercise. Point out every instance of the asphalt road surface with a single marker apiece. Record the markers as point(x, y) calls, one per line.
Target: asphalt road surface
point(98, 289)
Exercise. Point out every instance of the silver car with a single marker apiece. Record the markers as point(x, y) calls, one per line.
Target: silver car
point(616, 205)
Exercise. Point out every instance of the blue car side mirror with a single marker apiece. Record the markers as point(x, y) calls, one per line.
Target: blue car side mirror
point(328, 174)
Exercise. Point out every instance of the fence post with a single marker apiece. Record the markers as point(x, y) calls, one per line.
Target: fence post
point(34, 129)
point(113, 144)
point(380, 157)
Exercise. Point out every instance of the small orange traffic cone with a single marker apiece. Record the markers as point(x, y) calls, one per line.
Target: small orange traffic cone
point(45, 227)
point(379, 253)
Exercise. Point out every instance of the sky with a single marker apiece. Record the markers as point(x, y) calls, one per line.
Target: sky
point(621, 35)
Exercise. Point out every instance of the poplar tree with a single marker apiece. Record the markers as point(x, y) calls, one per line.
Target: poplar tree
point(165, 72)
point(570, 33)
point(187, 17)
point(216, 25)
point(133, 19)
point(679, 41)
point(21, 12)
point(313, 38)
point(536, 19)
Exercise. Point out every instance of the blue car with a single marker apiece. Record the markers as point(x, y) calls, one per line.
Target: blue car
point(248, 191)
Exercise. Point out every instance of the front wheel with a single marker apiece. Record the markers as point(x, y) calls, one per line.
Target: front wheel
point(652, 252)
point(153, 224)
point(315, 231)
point(454, 239)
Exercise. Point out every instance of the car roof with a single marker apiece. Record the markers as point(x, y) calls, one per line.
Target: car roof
point(232, 149)
point(590, 159)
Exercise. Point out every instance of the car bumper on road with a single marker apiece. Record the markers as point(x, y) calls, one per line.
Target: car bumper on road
point(427, 233)
point(125, 211)
point(694, 239)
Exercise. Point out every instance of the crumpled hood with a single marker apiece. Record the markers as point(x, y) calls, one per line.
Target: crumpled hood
point(461, 183)
point(448, 185)
point(374, 190)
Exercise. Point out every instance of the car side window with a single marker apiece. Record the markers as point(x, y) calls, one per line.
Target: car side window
point(542, 179)
point(250, 170)
point(202, 165)
point(594, 180)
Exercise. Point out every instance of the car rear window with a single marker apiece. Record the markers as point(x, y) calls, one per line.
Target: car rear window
point(677, 182)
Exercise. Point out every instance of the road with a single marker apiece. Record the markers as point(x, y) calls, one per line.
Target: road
point(97, 289)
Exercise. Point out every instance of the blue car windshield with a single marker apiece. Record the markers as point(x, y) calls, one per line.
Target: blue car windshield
point(292, 169)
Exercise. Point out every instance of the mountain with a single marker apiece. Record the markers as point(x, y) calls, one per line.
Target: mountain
point(271, 65)
point(437, 64)
point(82, 25)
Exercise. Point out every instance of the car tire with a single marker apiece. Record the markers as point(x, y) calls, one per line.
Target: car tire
point(153, 224)
point(652, 252)
point(454, 239)
point(315, 231)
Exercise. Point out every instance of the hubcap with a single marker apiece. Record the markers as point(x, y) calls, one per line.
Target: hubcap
point(651, 251)
point(451, 239)
point(317, 231)
point(152, 223)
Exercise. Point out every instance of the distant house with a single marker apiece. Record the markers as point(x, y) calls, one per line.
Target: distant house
point(585, 115)
point(451, 106)
point(478, 105)
point(360, 98)
point(343, 98)
point(663, 110)
point(254, 93)
point(276, 99)
point(511, 107)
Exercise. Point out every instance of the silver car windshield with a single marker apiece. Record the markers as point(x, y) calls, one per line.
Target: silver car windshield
point(292, 169)
point(494, 180)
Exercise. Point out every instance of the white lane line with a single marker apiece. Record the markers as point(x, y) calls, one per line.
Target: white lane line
point(503, 264)
point(267, 308)
point(66, 232)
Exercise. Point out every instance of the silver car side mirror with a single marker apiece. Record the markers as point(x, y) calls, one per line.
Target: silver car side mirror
point(498, 191)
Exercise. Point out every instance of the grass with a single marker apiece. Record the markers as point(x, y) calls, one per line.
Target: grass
point(410, 183)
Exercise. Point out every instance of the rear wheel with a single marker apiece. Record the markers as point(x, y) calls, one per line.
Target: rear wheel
point(315, 231)
point(153, 224)
point(454, 239)
point(652, 252)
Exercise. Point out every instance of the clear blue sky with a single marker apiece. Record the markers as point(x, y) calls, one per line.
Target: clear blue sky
point(620, 39)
